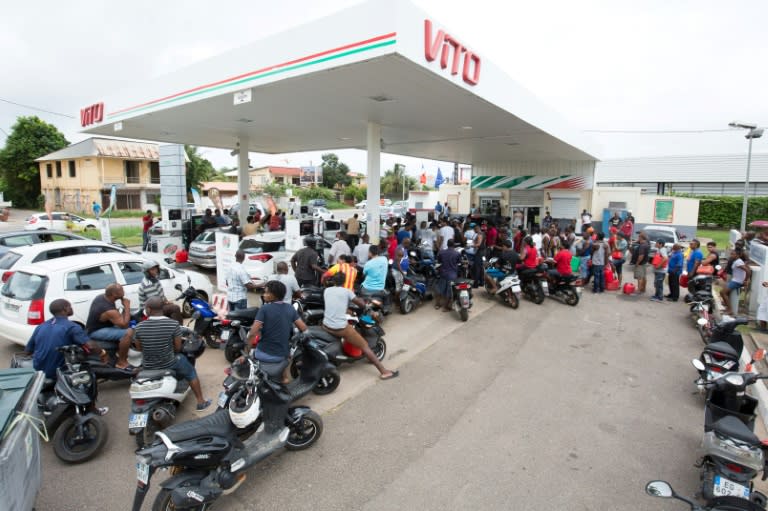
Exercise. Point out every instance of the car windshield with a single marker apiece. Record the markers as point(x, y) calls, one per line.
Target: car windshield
point(654, 235)
point(8, 260)
point(257, 247)
point(25, 286)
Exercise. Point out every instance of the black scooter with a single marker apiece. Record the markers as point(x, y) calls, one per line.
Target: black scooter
point(67, 405)
point(532, 281)
point(208, 456)
point(663, 490)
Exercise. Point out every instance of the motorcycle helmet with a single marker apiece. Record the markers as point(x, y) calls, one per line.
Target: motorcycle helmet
point(243, 369)
point(193, 344)
point(244, 407)
point(629, 288)
point(148, 265)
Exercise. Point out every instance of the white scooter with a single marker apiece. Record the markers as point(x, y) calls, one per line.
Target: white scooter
point(157, 393)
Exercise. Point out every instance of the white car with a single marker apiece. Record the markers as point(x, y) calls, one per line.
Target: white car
point(321, 212)
point(59, 221)
point(263, 252)
point(30, 254)
point(28, 293)
point(362, 204)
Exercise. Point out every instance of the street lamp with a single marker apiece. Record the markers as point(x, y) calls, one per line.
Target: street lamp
point(754, 132)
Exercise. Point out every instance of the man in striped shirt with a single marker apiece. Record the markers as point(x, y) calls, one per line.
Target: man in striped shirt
point(150, 287)
point(343, 266)
point(159, 339)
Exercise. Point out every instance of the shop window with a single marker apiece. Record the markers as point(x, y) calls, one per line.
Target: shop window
point(154, 172)
point(58, 169)
point(72, 169)
point(49, 170)
point(132, 172)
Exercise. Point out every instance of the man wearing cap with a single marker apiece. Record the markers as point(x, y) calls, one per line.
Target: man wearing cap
point(659, 263)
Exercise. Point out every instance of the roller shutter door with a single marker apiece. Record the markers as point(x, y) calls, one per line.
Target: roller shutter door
point(521, 198)
point(564, 208)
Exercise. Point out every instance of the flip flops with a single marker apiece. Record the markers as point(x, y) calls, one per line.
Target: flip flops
point(202, 406)
point(394, 374)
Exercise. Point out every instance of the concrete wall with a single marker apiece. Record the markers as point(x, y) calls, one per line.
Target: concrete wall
point(459, 196)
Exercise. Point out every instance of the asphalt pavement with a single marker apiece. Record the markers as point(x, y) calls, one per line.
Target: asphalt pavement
point(544, 407)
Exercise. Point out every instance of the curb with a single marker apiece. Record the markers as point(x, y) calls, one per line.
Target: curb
point(759, 387)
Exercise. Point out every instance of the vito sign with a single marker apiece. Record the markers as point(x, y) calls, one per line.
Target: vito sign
point(443, 44)
point(91, 114)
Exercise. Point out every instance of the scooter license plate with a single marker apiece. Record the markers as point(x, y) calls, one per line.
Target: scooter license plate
point(222, 399)
point(579, 290)
point(724, 487)
point(406, 287)
point(142, 472)
point(225, 335)
point(516, 289)
point(544, 285)
point(137, 420)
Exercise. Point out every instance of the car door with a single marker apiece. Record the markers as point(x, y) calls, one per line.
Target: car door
point(168, 279)
point(60, 221)
point(81, 286)
point(131, 274)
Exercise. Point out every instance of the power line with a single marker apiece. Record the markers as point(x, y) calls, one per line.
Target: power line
point(36, 108)
point(653, 132)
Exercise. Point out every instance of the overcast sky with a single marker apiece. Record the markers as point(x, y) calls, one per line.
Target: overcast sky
point(652, 65)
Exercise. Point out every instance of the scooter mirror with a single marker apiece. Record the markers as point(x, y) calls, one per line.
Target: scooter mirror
point(758, 355)
point(178, 287)
point(718, 267)
point(659, 489)
point(698, 364)
point(412, 253)
point(701, 322)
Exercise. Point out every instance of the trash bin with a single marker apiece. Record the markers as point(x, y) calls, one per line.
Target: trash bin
point(20, 442)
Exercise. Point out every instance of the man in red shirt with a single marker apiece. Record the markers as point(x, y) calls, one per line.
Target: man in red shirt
point(562, 263)
point(627, 228)
point(147, 221)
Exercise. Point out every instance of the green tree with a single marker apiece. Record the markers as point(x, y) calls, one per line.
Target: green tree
point(393, 180)
point(334, 171)
point(30, 138)
point(198, 168)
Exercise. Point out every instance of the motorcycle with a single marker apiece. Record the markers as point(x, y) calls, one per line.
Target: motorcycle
point(205, 322)
point(507, 283)
point(156, 394)
point(234, 331)
point(703, 312)
point(207, 456)
point(723, 353)
point(663, 490)
point(534, 284)
point(461, 300)
point(311, 370)
point(340, 352)
point(562, 288)
point(67, 406)
point(732, 454)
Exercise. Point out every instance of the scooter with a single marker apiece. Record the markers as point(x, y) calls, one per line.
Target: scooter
point(67, 406)
point(507, 284)
point(205, 321)
point(207, 456)
point(156, 395)
point(415, 289)
point(234, 331)
point(340, 352)
point(461, 300)
point(703, 313)
point(562, 288)
point(723, 353)
point(732, 454)
point(663, 490)
point(310, 368)
point(534, 284)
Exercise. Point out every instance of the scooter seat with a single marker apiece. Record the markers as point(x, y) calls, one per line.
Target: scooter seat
point(723, 347)
point(154, 374)
point(732, 427)
point(216, 424)
point(567, 278)
point(48, 384)
point(319, 332)
point(248, 314)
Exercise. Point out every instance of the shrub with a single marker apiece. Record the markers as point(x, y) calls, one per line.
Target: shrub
point(725, 210)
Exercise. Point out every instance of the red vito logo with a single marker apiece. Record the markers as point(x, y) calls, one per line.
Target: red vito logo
point(91, 114)
point(443, 44)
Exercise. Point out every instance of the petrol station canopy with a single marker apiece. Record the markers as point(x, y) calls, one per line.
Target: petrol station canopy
point(377, 76)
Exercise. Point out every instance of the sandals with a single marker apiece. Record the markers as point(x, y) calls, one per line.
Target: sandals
point(394, 374)
point(202, 406)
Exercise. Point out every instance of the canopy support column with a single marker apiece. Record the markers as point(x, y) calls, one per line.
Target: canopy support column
point(373, 181)
point(243, 180)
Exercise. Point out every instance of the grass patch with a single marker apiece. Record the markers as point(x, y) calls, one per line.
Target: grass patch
point(128, 213)
point(127, 235)
point(334, 204)
point(720, 236)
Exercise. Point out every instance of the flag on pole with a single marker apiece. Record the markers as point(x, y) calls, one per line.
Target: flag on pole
point(438, 179)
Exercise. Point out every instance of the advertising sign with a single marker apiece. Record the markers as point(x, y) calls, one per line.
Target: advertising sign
point(310, 175)
point(226, 246)
point(106, 233)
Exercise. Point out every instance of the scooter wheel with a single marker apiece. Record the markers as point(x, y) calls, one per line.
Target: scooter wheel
point(464, 314)
point(233, 349)
point(510, 298)
point(328, 383)
point(305, 433)
point(571, 297)
point(380, 348)
point(406, 306)
point(75, 444)
point(538, 298)
point(163, 500)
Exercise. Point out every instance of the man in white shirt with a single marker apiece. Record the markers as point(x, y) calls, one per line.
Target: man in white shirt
point(586, 221)
point(361, 251)
point(537, 239)
point(339, 247)
point(289, 281)
point(238, 283)
point(444, 234)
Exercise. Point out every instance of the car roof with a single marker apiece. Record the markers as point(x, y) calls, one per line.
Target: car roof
point(53, 245)
point(78, 261)
point(11, 234)
point(266, 236)
point(660, 227)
